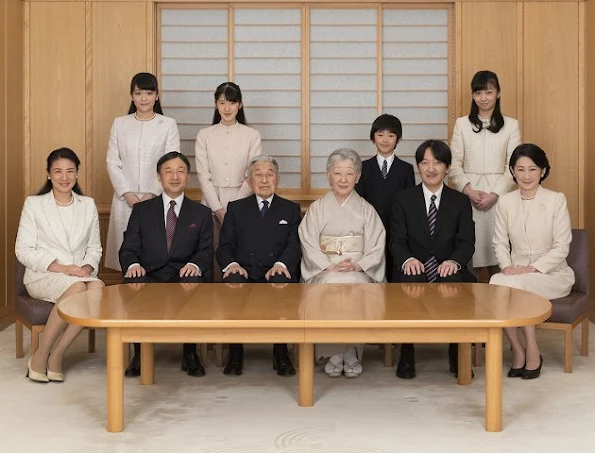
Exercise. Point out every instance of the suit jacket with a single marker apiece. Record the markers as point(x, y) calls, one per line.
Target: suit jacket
point(454, 238)
point(145, 242)
point(42, 239)
point(543, 242)
point(256, 243)
point(380, 192)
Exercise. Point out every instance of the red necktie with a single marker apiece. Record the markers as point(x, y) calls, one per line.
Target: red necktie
point(170, 223)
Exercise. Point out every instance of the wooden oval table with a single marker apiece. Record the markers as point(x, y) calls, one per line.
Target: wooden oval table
point(304, 314)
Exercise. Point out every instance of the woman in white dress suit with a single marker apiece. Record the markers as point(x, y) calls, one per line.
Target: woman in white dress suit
point(481, 146)
point(58, 243)
point(531, 241)
point(136, 143)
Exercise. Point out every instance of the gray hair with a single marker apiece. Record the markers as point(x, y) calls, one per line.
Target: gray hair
point(262, 158)
point(344, 154)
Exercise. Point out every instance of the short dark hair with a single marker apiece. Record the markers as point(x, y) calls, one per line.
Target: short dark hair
point(61, 153)
point(439, 150)
point(386, 122)
point(533, 152)
point(145, 81)
point(170, 156)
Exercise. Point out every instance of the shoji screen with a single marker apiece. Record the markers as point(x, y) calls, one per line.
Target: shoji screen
point(313, 78)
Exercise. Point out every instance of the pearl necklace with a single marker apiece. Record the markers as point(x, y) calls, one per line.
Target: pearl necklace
point(144, 119)
point(527, 198)
point(65, 204)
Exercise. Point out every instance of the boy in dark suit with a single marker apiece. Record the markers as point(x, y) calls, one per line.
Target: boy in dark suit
point(432, 235)
point(385, 175)
point(259, 243)
point(169, 239)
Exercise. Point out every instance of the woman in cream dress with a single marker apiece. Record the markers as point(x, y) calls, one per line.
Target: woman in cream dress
point(136, 143)
point(481, 146)
point(58, 243)
point(531, 242)
point(343, 241)
point(223, 151)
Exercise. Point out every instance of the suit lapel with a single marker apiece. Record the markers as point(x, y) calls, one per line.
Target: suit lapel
point(50, 210)
point(79, 221)
point(445, 201)
point(181, 226)
point(420, 205)
point(157, 212)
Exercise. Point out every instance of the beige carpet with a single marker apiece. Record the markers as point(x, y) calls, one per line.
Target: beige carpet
point(258, 413)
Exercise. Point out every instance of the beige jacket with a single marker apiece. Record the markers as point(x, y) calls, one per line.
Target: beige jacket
point(222, 154)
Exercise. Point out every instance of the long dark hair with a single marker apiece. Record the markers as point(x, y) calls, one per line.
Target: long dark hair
point(61, 153)
point(482, 80)
point(145, 81)
point(232, 93)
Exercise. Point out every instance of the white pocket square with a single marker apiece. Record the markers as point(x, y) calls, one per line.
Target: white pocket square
point(282, 222)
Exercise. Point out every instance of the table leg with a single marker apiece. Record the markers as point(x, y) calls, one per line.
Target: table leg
point(126, 354)
point(464, 364)
point(115, 381)
point(306, 375)
point(147, 364)
point(494, 380)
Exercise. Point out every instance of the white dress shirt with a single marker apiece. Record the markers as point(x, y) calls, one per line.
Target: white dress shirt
point(389, 161)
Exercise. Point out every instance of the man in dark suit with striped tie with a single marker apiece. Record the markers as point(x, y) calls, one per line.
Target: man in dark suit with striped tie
point(169, 239)
point(432, 235)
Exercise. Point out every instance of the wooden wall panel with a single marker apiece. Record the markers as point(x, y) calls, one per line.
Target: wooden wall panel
point(590, 136)
point(120, 47)
point(551, 93)
point(56, 84)
point(11, 142)
point(489, 37)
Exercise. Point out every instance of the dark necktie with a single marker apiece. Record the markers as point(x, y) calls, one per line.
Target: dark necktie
point(431, 265)
point(170, 223)
point(265, 208)
point(384, 169)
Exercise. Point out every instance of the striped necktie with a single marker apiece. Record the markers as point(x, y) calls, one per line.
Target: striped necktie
point(384, 169)
point(431, 265)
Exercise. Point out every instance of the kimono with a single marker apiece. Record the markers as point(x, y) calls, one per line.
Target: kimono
point(331, 232)
point(534, 233)
point(134, 149)
point(481, 159)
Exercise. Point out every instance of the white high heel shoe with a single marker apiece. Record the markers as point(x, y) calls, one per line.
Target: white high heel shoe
point(55, 377)
point(34, 375)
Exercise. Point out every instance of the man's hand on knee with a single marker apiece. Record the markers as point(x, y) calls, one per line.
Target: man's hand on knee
point(236, 269)
point(277, 270)
point(135, 271)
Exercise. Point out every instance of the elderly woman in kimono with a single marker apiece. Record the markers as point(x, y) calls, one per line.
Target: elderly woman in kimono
point(343, 241)
point(531, 241)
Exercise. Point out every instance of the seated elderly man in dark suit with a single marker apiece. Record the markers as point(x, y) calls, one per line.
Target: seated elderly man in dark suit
point(258, 244)
point(432, 235)
point(169, 239)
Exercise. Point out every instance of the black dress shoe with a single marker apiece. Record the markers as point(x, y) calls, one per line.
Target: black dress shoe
point(406, 365)
point(191, 364)
point(534, 374)
point(516, 372)
point(133, 370)
point(234, 365)
point(282, 365)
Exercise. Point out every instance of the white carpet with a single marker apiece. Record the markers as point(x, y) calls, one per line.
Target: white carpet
point(258, 413)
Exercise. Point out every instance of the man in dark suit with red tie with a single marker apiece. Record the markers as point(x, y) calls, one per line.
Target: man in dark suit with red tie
point(432, 235)
point(259, 243)
point(169, 239)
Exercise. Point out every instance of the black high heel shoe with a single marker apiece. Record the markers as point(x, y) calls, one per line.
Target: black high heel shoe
point(516, 372)
point(534, 374)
